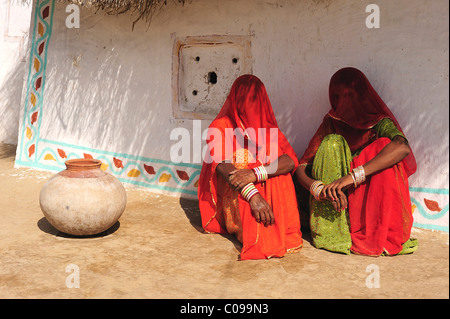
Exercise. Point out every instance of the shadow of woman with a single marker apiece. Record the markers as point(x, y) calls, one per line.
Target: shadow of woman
point(303, 209)
point(192, 211)
point(44, 225)
point(190, 208)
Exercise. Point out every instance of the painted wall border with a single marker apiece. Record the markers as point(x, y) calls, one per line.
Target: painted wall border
point(35, 85)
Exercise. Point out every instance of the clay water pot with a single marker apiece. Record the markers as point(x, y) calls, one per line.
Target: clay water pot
point(83, 199)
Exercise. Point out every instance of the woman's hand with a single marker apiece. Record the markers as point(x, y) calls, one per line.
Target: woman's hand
point(241, 177)
point(334, 192)
point(262, 210)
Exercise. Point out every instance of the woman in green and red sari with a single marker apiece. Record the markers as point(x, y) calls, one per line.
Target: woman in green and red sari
point(356, 168)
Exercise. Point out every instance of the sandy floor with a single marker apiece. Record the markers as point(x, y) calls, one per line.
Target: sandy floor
point(158, 250)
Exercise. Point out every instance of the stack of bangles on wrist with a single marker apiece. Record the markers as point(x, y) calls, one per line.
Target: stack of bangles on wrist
point(261, 173)
point(248, 191)
point(358, 175)
point(315, 189)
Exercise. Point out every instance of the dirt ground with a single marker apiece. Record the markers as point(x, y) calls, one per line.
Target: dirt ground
point(158, 250)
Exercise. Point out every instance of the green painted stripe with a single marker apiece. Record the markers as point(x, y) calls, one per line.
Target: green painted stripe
point(442, 191)
point(431, 227)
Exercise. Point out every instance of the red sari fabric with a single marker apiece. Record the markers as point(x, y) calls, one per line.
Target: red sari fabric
point(248, 107)
point(379, 209)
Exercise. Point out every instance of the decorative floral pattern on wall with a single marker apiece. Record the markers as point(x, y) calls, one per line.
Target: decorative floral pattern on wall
point(430, 208)
point(43, 16)
point(147, 172)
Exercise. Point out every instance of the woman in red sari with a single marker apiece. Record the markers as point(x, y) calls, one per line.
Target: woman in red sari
point(357, 167)
point(246, 186)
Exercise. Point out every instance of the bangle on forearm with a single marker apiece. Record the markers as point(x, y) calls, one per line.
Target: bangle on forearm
point(248, 191)
point(261, 173)
point(353, 178)
point(358, 175)
point(315, 189)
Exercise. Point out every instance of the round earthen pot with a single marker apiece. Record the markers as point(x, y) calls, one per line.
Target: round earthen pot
point(82, 199)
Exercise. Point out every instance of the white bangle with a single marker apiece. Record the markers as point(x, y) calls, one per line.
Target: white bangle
point(315, 189)
point(353, 178)
point(359, 175)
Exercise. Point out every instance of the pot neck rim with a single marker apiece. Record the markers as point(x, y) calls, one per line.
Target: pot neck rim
point(82, 164)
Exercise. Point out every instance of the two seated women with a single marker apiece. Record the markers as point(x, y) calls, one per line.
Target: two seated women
point(356, 168)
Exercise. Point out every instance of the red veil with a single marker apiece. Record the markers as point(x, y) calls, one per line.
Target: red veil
point(354, 118)
point(248, 107)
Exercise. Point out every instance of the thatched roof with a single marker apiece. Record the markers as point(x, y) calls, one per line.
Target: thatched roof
point(144, 8)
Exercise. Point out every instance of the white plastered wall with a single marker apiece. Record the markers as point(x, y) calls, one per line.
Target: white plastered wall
point(14, 26)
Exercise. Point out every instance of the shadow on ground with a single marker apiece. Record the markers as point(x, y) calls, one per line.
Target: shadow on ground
point(192, 211)
point(45, 226)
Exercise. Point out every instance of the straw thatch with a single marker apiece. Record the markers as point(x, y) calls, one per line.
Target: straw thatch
point(144, 8)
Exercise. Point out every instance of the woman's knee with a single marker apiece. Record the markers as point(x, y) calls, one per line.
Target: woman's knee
point(333, 156)
point(334, 141)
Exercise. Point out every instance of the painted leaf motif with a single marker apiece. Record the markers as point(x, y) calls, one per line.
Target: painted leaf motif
point(62, 153)
point(29, 133)
point(31, 150)
point(41, 48)
point(104, 166)
point(432, 205)
point(33, 99)
point(134, 173)
point(88, 156)
point(36, 64)
point(183, 175)
point(117, 162)
point(49, 157)
point(46, 12)
point(164, 178)
point(38, 83)
point(149, 169)
point(196, 183)
point(40, 30)
point(34, 117)
point(413, 208)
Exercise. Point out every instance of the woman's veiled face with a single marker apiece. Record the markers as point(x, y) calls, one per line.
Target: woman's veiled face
point(247, 99)
point(345, 101)
point(344, 96)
